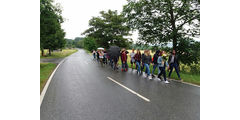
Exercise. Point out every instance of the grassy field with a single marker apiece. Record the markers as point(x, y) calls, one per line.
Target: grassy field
point(58, 54)
point(45, 71)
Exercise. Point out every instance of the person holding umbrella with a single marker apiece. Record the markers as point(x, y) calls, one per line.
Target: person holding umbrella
point(114, 53)
point(101, 54)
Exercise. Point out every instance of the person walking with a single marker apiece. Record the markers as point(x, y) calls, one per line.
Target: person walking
point(138, 59)
point(143, 58)
point(173, 63)
point(155, 63)
point(101, 54)
point(162, 64)
point(98, 55)
point(104, 57)
point(94, 54)
point(132, 54)
point(147, 60)
point(124, 60)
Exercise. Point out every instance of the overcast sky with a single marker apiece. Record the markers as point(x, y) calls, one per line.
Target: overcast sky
point(78, 12)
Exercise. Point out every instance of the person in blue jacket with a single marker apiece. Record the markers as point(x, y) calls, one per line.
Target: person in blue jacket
point(162, 63)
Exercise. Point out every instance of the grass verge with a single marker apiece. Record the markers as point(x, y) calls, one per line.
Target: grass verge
point(45, 71)
point(59, 54)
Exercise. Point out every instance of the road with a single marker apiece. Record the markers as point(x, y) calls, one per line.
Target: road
point(82, 89)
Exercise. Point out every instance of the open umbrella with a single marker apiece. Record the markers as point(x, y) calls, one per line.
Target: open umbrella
point(114, 51)
point(100, 48)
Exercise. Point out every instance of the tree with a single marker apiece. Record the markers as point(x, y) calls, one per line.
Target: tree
point(51, 34)
point(160, 21)
point(189, 51)
point(108, 29)
point(89, 43)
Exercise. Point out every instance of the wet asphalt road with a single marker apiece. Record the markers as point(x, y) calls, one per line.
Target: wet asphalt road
point(80, 90)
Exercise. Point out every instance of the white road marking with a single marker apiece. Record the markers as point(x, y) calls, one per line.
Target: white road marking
point(48, 82)
point(144, 98)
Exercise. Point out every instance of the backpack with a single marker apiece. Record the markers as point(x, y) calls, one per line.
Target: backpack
point(155, 58)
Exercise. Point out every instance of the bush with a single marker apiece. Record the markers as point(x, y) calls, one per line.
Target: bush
point(195, 68)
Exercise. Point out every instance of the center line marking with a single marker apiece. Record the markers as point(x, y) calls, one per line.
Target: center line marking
point(144, 98)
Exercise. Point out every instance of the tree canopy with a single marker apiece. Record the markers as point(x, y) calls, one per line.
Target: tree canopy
point(51, 33)
point(160, 21)
point(108, 29)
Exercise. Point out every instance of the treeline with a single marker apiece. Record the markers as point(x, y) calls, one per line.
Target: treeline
point(74, 43)
point(51, 33)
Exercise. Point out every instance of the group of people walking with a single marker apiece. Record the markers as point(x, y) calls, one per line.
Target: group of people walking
point(141, 61)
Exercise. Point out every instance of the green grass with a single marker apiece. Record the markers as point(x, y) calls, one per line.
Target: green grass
point(59, 54)
point(45, 71)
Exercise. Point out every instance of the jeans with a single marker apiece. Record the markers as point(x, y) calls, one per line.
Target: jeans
point(162, 72)
point(154, 67)
point(111, 62)
point(147, 69)
point(176, 69)
point(124, 65)
point(142, 67)
point(138, 66)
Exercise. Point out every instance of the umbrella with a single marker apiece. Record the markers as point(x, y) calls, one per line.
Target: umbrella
point(100, 48)
point(114, 51)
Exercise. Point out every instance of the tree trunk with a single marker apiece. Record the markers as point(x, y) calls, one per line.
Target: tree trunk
point(49, 50)
point(42, 52)
point(172, 21)
point(174, 42)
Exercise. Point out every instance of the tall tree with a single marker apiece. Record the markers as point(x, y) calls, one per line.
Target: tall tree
point(161, 21)
point(108, 29)
point(51, 34)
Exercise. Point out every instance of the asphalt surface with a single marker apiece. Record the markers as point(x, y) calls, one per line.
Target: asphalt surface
point(80, 90)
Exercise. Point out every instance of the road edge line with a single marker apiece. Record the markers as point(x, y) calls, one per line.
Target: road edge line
point(48, 82)
point(185, 83)
point(130, 90)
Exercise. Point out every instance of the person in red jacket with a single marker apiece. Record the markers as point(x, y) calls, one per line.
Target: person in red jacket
point(138, 59)
point(124, 60)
